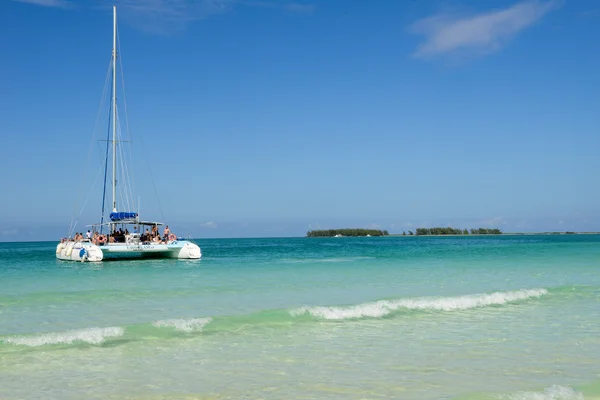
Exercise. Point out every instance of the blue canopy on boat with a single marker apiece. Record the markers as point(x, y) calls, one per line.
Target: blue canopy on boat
point(117, 216)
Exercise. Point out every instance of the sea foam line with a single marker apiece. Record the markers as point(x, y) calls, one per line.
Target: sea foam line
point(184, 325)
point(384, 307)
point(555, 392)
point(89, 335)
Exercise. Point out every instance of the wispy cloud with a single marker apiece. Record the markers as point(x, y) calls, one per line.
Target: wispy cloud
point(496, 221)
point(174, 10)
point(481, 33)
point(9, 232)
point(162, 16)
point(300, 8)
point(46, 3)
point(373, 225)
point(190, 10)
point(209, 224)
point(283, 5)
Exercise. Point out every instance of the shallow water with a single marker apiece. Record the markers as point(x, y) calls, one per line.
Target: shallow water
point(510, 317)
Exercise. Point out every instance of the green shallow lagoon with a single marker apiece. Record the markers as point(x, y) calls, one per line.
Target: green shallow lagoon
point(502, 317)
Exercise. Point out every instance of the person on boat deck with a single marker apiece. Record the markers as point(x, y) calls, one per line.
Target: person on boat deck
point(166, 233)
point(135, 229)
point(88, 235)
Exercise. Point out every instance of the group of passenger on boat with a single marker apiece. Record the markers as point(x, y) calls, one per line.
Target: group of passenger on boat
point(124, 236)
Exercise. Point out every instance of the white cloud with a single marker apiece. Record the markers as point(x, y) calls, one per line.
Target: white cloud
point(46, 3)
point(481, 33)
point(210, 225)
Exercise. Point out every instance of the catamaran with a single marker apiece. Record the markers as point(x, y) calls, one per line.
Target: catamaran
point(125, 236)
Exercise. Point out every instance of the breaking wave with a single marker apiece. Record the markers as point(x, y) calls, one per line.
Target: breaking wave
point(382, 308)
point(554, 392)
point(183, 325)
point(89, 335)
point(177, 327)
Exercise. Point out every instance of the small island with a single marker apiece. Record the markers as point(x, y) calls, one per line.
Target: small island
point(346, 232)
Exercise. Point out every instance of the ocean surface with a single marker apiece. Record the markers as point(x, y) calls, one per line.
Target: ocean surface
point(502, 317)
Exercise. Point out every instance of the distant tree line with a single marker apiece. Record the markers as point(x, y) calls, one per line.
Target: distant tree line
point(454, 231)
point(346, 232)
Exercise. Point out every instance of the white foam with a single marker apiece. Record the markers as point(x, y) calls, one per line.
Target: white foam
point(554, 392)
point(384, 307)
point(184, 325)
point(89, 335)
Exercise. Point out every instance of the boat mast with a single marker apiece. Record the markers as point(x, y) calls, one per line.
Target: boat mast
point(114, 111)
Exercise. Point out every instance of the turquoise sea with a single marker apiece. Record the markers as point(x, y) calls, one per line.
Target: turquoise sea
point(499, 317)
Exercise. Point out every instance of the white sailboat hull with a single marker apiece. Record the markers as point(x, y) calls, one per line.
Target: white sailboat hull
point(89, 252)
point(78, 251)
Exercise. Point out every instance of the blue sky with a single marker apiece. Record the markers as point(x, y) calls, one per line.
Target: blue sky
point(267, 118)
